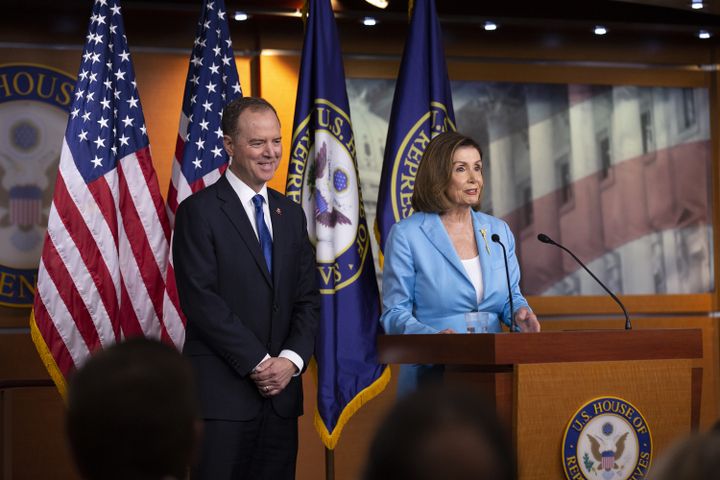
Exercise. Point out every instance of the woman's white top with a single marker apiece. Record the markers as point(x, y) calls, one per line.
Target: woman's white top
point(472, 267)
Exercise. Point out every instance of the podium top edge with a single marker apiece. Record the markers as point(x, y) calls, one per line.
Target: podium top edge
point(542, 347)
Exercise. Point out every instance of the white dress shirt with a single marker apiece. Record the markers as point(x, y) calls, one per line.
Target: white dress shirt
point(246, 194)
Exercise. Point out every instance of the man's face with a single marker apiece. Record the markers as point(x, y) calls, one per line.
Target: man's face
point(255, 148)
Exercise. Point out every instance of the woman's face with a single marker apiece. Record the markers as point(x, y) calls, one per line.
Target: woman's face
point(466, 182)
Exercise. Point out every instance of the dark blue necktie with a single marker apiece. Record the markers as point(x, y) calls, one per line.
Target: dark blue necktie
point(263, 232)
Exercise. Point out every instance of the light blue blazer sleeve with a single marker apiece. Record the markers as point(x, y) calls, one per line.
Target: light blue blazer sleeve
point(425, 287)
point(399, 286)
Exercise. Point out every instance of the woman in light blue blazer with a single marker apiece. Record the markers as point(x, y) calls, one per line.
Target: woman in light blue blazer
point(441, 262)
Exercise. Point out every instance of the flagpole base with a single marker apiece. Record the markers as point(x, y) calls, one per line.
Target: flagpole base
point(329, 464)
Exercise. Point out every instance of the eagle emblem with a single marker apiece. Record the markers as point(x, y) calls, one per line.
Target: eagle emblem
point(326, 212)
point(607, 439)
point(32, 124)
point(605, 457)
point(329, 193)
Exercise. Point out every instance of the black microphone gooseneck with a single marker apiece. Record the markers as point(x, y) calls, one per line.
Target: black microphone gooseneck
point(496, 238)
point(545, 239)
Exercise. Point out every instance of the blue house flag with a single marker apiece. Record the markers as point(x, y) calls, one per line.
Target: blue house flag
point(323, 178)
point(422, 108)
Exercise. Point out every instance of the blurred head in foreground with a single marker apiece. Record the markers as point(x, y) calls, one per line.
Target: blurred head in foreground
point(132, 413)
point(441, 433)
point(694, 458)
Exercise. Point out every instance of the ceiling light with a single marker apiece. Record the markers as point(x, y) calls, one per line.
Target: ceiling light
point(378, 3)
point(240, 16)
point(600, 30)
point(696, 4)
point(490, 26)
point(369, 21)
point(704, 34)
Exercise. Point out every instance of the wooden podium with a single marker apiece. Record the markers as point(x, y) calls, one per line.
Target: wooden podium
point(538, 381)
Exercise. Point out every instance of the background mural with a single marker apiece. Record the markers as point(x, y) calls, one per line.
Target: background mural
point(618, 174)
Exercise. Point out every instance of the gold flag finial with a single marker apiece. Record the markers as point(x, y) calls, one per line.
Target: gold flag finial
point(304, 12)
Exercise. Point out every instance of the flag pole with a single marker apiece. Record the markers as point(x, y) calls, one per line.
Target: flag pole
point(329, 464)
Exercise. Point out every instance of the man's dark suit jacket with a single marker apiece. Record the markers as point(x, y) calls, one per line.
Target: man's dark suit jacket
point(236, 313)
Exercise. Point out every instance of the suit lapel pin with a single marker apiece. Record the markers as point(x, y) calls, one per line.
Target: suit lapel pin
point(278, 211)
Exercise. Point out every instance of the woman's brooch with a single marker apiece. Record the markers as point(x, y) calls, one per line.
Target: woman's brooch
point(483, 232)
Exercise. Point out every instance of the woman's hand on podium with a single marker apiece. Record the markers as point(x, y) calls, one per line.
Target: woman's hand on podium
point(447, 330)
point(526, 320)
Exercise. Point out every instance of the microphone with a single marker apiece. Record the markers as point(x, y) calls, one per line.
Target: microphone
point(545, 239)
point(496, 238)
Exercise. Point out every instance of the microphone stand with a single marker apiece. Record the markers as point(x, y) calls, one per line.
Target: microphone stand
point(545, 239)
point(496, 238)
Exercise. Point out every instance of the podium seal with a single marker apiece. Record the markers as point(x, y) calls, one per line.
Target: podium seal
point(607, 438)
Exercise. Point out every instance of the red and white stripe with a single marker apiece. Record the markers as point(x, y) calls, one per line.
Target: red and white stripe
point(101, 275)
point(25, 212)
point(178, 191)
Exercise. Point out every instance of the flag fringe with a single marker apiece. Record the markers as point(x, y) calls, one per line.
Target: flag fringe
point(381, 256)
point(330, 439)
point(47, 358)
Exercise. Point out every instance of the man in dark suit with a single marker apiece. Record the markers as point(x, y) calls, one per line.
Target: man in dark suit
point(245, 272)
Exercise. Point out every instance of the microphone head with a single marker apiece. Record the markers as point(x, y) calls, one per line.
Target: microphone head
point(544, 238)
point(495, 238)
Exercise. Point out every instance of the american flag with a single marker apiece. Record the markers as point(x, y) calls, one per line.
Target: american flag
point(212, 81)
point(200, 159)
point(101, 274)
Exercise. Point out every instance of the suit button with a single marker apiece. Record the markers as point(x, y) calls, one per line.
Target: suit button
point(275, 308)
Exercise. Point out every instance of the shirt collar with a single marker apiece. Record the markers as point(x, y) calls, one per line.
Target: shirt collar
point(243, 191)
